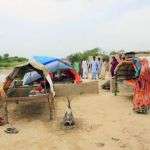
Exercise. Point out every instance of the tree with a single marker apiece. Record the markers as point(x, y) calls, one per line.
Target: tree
point(6, 55)
point(78, 57)
point(105, 57)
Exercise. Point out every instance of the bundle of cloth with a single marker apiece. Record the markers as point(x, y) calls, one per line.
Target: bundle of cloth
point(141, 86)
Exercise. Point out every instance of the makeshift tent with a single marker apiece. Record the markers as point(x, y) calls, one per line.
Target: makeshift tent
point(20, 91)
point(25, 69)
point(53, 65)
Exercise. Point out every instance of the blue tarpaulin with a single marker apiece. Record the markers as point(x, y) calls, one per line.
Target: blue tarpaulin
point(51, 63)
point(45, 59)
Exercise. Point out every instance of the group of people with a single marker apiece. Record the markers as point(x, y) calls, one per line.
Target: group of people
point(98, 67)
point(94, 67)
point(140, 84)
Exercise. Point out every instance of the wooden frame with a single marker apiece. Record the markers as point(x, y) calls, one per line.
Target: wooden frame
point(20, 72)
point(48, 97)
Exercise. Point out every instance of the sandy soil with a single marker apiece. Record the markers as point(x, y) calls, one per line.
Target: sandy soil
point(102, 122)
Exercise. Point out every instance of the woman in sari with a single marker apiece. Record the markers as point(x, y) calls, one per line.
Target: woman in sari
point(141, 87)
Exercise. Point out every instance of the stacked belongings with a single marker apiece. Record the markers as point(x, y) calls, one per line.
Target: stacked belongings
point(59, 70)
point(129, 68)
point(136, 73)
point(125, 71)
point(14, 86)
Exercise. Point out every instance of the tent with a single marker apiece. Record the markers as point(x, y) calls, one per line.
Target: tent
point(12, 92)
point(53, 65)
point(22, 70)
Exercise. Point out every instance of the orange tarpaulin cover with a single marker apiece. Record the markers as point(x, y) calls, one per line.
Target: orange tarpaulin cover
point(141, 87)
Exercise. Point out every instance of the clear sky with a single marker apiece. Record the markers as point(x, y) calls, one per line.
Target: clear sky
point(60, 27)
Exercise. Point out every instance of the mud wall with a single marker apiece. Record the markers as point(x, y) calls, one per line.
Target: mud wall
point(73, 89)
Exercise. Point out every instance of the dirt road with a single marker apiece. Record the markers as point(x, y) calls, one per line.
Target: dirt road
point(102, 122)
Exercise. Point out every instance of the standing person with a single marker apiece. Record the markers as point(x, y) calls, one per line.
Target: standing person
point(84, 69)
point(94, 68)
point(114, 64)
point(99, 67)
point(89, 65)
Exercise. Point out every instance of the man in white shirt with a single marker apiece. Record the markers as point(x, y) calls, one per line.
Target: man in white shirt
point(84, 69)
point(94, 67)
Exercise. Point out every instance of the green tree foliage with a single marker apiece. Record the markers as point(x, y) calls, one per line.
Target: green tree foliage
point(7, 61)
point(75, 57)
point(78, 57)
point(113, 53)
point(105, 57)
point(92, 52)
point(6, 55)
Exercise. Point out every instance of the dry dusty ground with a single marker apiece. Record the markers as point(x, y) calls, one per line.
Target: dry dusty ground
point(102, 122)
